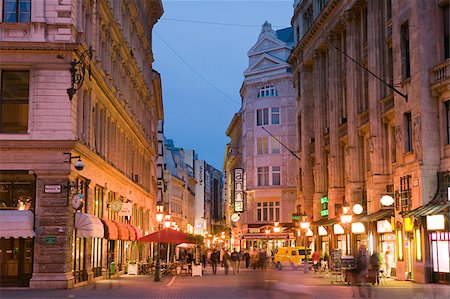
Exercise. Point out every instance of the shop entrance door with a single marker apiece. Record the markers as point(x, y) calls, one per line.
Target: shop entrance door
point(409, 258)
point(16, 259)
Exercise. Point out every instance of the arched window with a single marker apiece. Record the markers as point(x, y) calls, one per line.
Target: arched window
point(267, 91)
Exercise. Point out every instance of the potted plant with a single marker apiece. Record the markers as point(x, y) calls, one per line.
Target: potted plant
point(132, 267)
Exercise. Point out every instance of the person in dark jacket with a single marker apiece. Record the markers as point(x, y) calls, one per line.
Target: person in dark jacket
point(247, 259)
point(215, 258)
point(235, 261)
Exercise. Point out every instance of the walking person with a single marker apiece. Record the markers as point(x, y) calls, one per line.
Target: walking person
point(247, 259)
point(374, 263)
point(226, 261)
point(215, 258)
point(316, 259)
point(235, 261)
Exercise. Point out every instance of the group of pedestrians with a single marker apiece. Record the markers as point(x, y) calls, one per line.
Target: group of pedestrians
point(225, 258)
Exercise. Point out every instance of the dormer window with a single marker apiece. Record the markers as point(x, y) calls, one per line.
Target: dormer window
point(267, 91)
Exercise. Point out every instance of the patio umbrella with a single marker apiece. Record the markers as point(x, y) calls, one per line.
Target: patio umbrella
point(167, 235)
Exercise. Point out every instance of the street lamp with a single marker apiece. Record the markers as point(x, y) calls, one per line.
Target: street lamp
point(159, 219)
point(304, 224)
point(346, 219)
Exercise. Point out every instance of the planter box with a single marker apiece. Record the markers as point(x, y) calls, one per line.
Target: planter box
point(132, 269)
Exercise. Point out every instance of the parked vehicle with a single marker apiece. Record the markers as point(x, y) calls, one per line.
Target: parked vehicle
point(292, 257)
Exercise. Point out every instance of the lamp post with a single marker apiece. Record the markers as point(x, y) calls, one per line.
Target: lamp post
point(276, 230)
point(346, 219)
point(267, 231)
point(304, 224)
point(159, 218)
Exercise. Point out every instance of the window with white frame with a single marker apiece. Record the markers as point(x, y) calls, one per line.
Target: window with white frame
point(276, 175)
point(267, 91)
point(263, 176)
point(262, 117)
point(268, 211)
point(275, 115)
point(275, 145)
point(17, 11)
point(262, 146)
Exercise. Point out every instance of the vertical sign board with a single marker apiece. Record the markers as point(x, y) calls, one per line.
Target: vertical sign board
point(239, 190)
point(199, 174)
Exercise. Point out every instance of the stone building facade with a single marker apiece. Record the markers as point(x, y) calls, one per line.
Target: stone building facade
point(268, 124)
point(50, 122)
point(372, 80)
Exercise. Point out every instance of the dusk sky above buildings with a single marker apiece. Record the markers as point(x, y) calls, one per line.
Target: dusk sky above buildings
point(202, 64)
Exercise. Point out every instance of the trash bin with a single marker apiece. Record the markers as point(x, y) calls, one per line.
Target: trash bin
point(112, 268)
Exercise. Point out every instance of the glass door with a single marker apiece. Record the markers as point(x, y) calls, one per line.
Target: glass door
point(16, 259)
point(409, 258)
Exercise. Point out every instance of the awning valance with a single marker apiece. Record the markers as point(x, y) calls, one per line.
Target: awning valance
point(435, 206)
point(16, 224)
point(381, 214)
point(326, 222)
point(124, 233)
point(111, 232)
point(132, 232)
point(88, 226)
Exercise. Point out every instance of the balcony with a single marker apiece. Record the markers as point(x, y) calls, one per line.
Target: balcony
point(440, 76)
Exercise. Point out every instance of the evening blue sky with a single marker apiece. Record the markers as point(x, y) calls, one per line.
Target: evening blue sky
point(196, 113)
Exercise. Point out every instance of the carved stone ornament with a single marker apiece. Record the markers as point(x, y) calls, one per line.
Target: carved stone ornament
point(417, 129)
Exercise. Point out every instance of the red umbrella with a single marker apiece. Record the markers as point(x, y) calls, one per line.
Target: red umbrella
point(167, 235)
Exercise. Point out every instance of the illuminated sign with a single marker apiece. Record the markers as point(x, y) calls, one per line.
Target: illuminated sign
point(238, 190)
point(296, 216)
point(435, 222)
point(324, 203)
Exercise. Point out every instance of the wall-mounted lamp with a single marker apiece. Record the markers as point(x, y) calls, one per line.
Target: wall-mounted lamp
point(77, 71)
point(79, 165)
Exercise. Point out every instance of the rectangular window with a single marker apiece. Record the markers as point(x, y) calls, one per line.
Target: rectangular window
point(268, 211)
point(15, 86)
point(262, 146)
point(274, 145)
point(17, 11)
point(99, 202)
point(275, 116)
point(408, 132)
point(262, 117)
point(404, 35)
point(447, 109)
point(446, 31)
point(263, 176)
point(404, 199)
point(276, 175)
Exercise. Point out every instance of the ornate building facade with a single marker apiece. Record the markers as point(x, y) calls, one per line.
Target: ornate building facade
point(372, 80)
point(77, 159)
point(268, 124)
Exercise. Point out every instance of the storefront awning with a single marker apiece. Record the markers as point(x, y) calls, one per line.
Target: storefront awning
point(124, 233)
point(326, 222)
point(16, 224)
point(132, 232)
point(381, 214)
point(435, 206)
point(111, 232)
point(88, 226)
point(138, 232)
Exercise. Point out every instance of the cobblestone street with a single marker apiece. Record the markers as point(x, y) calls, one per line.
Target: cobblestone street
point(247, 284)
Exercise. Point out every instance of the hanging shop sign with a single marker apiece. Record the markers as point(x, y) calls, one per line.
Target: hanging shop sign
point(384, 226)
point(296, 216)
point(324, 203)
point(435, 222)
point(409, 224)
point(238, 190)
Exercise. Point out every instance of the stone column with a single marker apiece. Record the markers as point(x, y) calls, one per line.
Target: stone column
point(54, 221)
point(353, 93)
point(378, 179)
point(306, 109)
point(336, 187)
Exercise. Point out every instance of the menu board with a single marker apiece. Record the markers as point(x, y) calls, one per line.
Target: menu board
point(336, 255)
